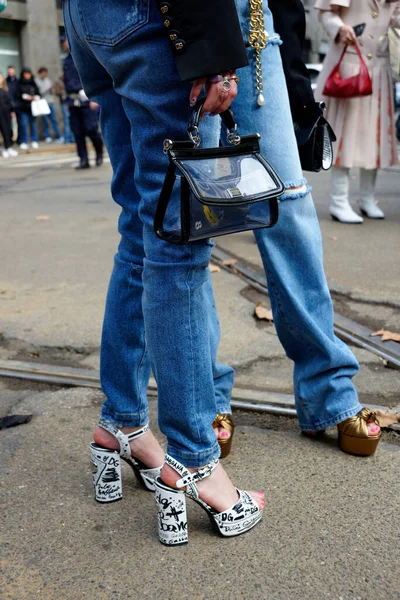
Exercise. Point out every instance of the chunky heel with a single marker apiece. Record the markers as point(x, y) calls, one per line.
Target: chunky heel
point(107, 464)
point(106, 467)
point(172, 516)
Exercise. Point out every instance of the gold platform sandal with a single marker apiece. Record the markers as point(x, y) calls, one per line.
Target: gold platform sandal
point(353, 432)
point(354, 437)
point(225, 421)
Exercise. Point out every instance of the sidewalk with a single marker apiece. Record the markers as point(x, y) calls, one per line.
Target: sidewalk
point(330, 529)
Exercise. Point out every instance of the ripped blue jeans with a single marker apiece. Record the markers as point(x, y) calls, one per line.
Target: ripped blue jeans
point(291, 252)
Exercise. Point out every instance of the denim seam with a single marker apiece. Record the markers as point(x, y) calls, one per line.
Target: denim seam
point(193, 402)
point(92, 39)
point(350, 412)
point(189, 458)
point(139, 387)
point(77, 38)
point(138, 419)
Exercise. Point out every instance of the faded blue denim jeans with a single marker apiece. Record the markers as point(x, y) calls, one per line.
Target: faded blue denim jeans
point(292, 256)
point(125, 63)
point(51, 118)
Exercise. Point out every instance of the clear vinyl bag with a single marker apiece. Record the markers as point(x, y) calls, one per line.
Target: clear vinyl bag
point(222, 190)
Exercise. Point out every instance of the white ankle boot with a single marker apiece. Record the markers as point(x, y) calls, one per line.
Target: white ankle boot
point(339, 207)
point(367, 193)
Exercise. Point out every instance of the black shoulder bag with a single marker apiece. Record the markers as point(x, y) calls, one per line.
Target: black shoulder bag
point(222, 190)
point(314, 138)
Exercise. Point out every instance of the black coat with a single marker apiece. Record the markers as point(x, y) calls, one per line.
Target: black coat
point(6, 106)
point(26, 86)
point(12, 84)
point(205, 36)
point(290, 23)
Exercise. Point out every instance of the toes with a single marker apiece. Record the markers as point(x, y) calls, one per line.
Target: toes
point(373, 428)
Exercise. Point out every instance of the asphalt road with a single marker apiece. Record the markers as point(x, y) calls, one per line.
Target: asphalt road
point(331, 524)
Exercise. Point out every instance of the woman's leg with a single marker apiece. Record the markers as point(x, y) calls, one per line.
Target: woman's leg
point(33, 127)
point(5, 129)
point(367, 194)
point(292, 253)
point(23, 129)
point(45, 123)
point(53, 118)
point(339, 207)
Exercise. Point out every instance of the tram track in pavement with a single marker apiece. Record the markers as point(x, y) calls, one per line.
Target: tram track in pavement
point(243, 398)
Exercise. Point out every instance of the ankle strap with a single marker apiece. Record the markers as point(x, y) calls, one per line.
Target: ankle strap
point(123, 438)
point(189, 479)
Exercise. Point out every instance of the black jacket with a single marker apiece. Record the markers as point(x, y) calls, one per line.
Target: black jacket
point(205, 36)
point(290, 23)
point(12, 85)
point(6, 105)
point(26, 86)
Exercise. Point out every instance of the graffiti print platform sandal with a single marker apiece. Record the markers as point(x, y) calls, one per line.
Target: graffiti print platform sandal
point(225, 421)
point(171, 502)
point(106, 465)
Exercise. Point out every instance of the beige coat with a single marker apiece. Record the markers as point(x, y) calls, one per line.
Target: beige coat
point(364, 127)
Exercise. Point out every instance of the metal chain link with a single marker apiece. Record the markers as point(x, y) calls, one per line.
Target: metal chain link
point(258, 40)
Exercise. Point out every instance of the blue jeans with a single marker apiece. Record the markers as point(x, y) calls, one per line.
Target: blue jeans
point(68, 135)
point(28, 121)
point(51, 118)
point(162, 287)
point(299, 294)
point(292, 252)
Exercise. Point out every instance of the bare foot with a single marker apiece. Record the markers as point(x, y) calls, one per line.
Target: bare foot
point(217, 490)
point(145, 448)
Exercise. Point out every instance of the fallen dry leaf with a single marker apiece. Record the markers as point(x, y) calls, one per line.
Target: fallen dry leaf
point(263, 313)
point(387, 336)
point(214, 268)
point(229, 261)
point(386, 419)
point(43, 218)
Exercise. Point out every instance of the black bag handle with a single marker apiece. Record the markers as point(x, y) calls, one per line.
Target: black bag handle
point(227, 118)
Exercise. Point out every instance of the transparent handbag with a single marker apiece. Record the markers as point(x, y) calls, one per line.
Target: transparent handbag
point(222, 190)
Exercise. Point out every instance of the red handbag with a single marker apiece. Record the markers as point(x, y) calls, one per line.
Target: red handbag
point(358, 85)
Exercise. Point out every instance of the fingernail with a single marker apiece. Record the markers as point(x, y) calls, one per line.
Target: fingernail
point(193, 101)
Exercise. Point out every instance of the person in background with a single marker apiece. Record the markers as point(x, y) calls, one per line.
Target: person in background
point(46, 89)
point(27, 91)
point(84, 114)
point(59, 90)
point(364, 126)
point(6, 108)
point(12, 84)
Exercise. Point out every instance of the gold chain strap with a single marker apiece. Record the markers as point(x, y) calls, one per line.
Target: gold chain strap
point(258, 40)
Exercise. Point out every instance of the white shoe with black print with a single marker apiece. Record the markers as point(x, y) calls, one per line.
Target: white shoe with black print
point(106, 465)
point(172, 515)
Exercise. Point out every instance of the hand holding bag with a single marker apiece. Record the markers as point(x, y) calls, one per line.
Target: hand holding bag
point(222, 190)
point(314, 138)
point(358, 85)
point(40, 107)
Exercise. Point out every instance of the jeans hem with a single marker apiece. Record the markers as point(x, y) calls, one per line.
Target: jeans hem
point(126, 420)
point(194, 459)
point(332, 421)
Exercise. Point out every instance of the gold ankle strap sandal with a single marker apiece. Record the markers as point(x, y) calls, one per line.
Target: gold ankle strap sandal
point(353, 434)
point(225, 421)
